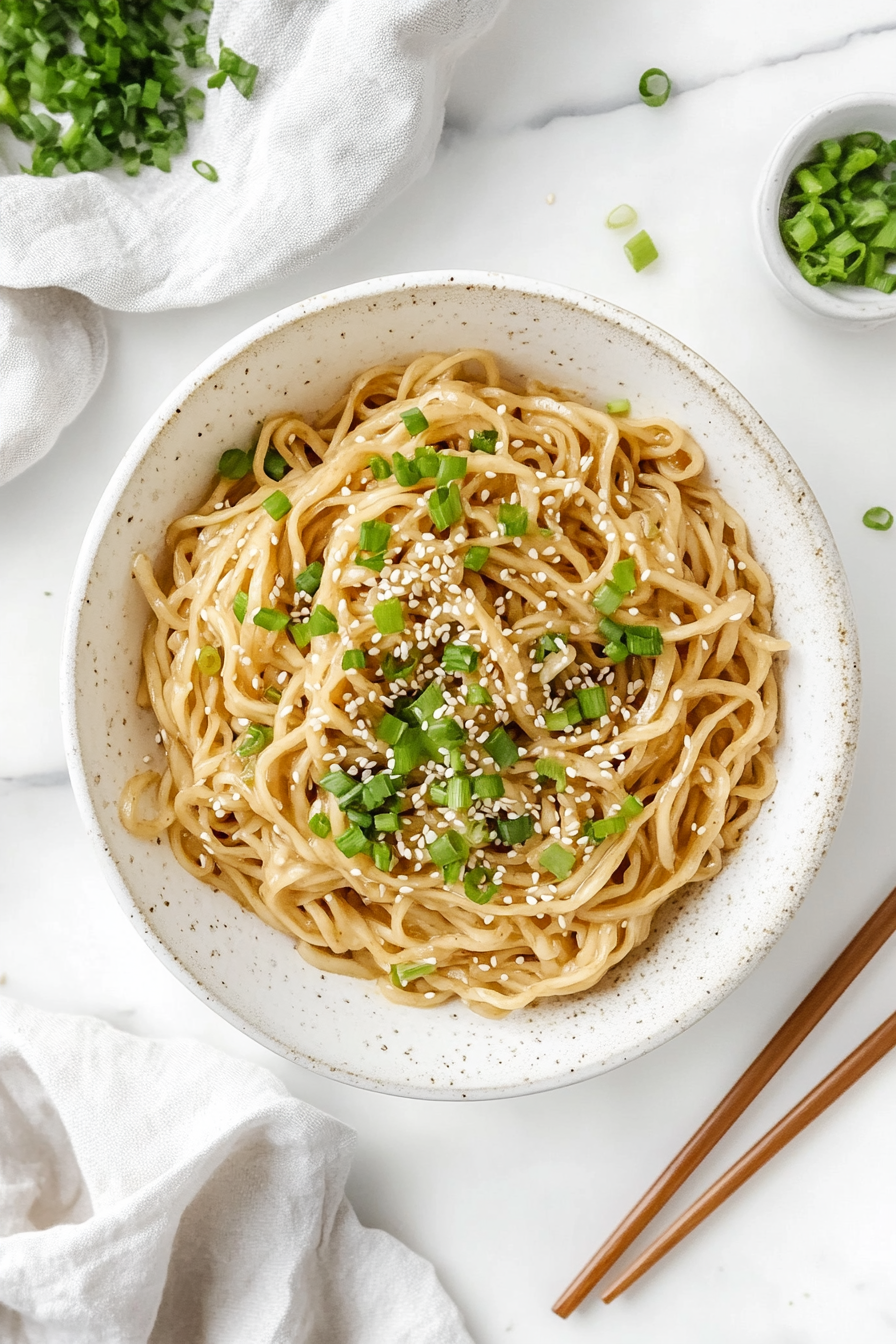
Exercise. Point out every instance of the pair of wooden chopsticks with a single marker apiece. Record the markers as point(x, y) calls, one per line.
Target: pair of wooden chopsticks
point(837, 978)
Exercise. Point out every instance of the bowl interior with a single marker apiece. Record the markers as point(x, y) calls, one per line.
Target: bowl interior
point(706, 940)
point(852, 304)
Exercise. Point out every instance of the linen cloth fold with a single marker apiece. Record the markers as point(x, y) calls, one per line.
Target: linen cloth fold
point(346, 113)
point(161, 1192)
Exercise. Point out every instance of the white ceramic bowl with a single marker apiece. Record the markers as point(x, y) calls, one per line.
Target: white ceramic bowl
point(705, 941)
point(848, 305)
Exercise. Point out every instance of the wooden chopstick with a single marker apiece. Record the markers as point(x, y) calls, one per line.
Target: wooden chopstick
point(849, 1071)
point(836, 979)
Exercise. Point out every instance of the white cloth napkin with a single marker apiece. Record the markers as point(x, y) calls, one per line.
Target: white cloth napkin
point(346, 113)
point(160, 1192)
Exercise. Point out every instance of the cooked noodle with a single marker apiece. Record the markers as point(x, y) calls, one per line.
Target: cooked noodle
point(681, 758)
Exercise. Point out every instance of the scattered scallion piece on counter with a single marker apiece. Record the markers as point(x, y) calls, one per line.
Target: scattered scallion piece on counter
point(242, 74)
point(622, 217)
point(205, 170)
point(878, 519)
point(654, 87)
point(621, 407)
point(641, 250)
point(208, 660)
point(319, 825)
point(414, 420)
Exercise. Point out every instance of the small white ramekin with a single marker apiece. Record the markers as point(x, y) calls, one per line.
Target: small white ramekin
point(849, 305)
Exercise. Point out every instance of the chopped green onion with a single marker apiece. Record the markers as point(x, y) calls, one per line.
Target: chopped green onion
point(487, 786)
point(341, 785)
point(515, 830)
point(607, 599)
point(624, 575)
point(448, 847)
point(382, 856)
point(376, 790)
point(558, 720)
point(600, 830)
point(391, 729)
point(445, 733)
point(484, 441)
point(478, 695)
point(319, 825)
point(309, 579)
point(460, 794)
point(374, 535)
point(654, 86)
point(388, 616)
point(208, 660)
point(478, 885)
point(322, 621)
point(414, 421)
point(631, 807)
point(277, 505)
point(256, 737)
point(621, 217)
point(451, 469)
point(549, 644)
point(387, 821)
point(405, 971)
point(611, 630)
point(502, 748)
point(406, 472)
point(300, 633)
point(205, 170)
point(549, 769)
point(616, 652)
point(352, 842)
point(271, 619)
point(426, 462)
point(644, 641)
point(395, 669)
point(476, 557)
point(352, 659)
point(273, 694)
point(235, 464)
point(445, 506)
point(592, 701)
point(410, 752)
point(241, 606)
point(878, 519)
point(242, 74)
point(557, 860)
point(620, 407)
point(374, 562)
point(438, 794)
point(424, 707)
point(358, 816)
point(514, 519)
point(275, 464)
point(640, 250)
point(380, 468)
point(460, 658)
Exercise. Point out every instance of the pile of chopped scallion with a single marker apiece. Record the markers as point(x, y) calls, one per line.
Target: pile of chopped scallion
point(90, 83)
point(838, 214)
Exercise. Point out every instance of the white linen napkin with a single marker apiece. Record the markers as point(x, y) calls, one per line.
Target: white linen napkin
point(160, 1192)
point(346, 113)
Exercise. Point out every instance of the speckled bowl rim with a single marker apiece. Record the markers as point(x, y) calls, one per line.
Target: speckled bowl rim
point(860, 310)
point(379, 288)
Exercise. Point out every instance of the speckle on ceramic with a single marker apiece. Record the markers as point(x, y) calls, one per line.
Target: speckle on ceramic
point(706, 940)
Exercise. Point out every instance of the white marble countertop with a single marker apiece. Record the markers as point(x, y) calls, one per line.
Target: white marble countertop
point(509, 1198)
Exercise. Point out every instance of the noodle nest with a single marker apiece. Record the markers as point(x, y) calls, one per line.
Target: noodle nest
point(624, 749)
